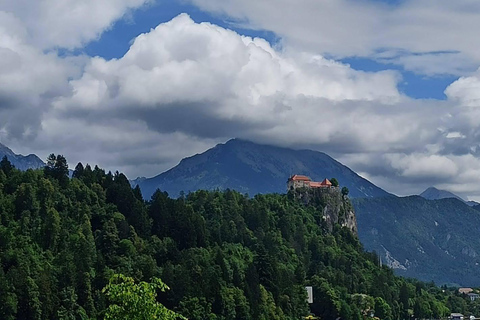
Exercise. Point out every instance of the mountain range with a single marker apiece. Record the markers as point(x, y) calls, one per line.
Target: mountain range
point(19, 161)
point(429, 237)
point(254, 168)
point(432, 240)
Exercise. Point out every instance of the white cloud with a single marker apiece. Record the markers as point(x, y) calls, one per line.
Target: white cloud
point(455, 135)
point(429, 36)
point(466, 90)
point(421, 166)
point(29, 79)
point(124, 145)
point(406, 174)
point(32, 75)
point(185, 61)
point(66, 23)
point(437, 63)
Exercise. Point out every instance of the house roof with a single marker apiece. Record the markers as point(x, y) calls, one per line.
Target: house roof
point(314, 184)
point(326, 182)
point(465, 290)
point(298, 177)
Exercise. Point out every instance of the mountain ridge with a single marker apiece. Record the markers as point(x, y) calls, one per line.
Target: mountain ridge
point(253, 168)
point(433, 193)
point(21, 162)
point(426, 239)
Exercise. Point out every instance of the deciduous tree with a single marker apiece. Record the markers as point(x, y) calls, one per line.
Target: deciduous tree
point(136, 301)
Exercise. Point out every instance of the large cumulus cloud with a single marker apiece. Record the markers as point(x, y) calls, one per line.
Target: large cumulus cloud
point(208, 82)
point(29, 79)
point(32, 73)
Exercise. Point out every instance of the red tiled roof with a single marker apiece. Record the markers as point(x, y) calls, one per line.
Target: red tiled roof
point(326, 182)
point(297, 177)
point(314, 184)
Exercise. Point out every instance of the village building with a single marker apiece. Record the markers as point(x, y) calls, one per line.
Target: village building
point(473, 296)
point(465, 290)
point(456, 316)
point(300, 181)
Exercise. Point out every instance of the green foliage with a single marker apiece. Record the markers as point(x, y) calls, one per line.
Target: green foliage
point(363, 302)
point(5, 165)
point(226, 256)
point(131, 301)
point(383, 310)
point(334, 182)
point(79, 171)
point(57, 168)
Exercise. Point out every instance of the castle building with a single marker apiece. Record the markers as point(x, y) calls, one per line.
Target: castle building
point(299, 181)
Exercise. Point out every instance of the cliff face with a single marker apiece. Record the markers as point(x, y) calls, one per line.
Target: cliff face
point(335, 207)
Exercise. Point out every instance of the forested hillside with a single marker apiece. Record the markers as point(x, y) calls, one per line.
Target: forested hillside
point(224, 255)
point(432, 240)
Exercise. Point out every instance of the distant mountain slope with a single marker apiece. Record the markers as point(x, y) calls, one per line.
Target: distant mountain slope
point(19, 161)
point(426, 239)
point(253, 168)
point(433, 193)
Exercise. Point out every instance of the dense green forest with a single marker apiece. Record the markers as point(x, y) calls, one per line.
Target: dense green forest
point(224, 255)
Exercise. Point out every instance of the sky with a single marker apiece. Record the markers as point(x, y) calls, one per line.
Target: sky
point(389, 88)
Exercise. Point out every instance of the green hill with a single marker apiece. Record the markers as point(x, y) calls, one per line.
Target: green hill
point(224, 255)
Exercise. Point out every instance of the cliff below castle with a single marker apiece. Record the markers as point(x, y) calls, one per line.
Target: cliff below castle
point(336, 208)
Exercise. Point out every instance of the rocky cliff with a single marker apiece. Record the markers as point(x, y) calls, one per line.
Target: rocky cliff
point(336, 207)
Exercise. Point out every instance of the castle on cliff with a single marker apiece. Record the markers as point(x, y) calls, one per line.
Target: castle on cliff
point(299, 181)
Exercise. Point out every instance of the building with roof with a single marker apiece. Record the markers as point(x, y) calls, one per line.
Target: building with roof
point(465, 290)
point(473, 296)
point(300, 181)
